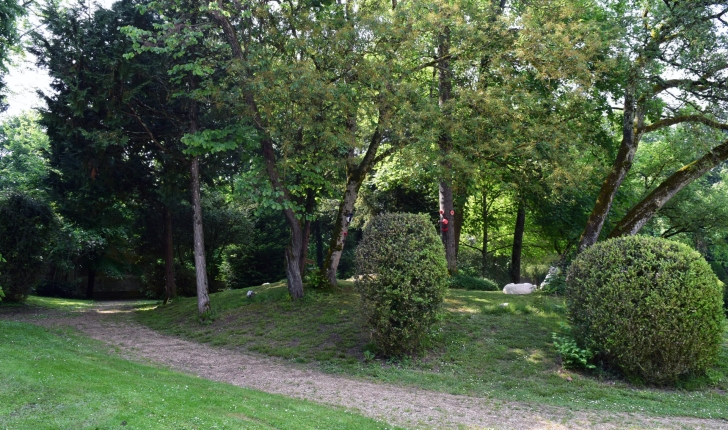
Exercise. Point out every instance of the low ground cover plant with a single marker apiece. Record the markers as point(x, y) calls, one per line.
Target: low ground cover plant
point(402, 281)
point(649, 306)
point(472, 283)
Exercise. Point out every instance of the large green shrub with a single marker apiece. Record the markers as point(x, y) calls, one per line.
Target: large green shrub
point(25, 230)
point(650, 306)
point(402, 280)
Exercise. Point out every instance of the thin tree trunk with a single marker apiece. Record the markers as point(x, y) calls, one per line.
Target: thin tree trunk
point(447, 209)
point(203, 299)
point(460, 199)
point(632, 124)
point(643, 211)
point(518, 244)
point(90, 284)
point(170, 289)
point(485, 233)
point(319, 244)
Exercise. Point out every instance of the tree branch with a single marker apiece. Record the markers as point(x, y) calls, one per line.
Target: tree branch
point(685, 118)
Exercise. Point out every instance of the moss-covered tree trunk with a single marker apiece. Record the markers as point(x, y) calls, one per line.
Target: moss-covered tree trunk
point(632, 124)
point(643, 211)
point(355, 178)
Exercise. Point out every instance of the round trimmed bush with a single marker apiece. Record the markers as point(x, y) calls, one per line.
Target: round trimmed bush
point(402, 280)
point(650, 306)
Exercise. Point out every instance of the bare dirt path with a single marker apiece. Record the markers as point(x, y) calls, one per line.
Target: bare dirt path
point(111, 323)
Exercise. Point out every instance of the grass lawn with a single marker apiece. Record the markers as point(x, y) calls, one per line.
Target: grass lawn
point(58, 380)
point(482, 349)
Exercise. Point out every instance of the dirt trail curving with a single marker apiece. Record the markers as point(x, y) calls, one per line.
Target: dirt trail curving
point(111, 323)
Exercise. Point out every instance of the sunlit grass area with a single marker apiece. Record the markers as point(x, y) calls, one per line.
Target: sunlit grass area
point(58, 380)
point(489, 344)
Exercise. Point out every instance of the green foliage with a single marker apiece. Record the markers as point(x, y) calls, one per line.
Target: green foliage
point(26, 226)
point(572, 356)
point(556, 284)
point(22, 144)
point(402, 280)
point(472, 283)
point(10, 11)
point(212, 140)
point(260, 258)
point(649, 306)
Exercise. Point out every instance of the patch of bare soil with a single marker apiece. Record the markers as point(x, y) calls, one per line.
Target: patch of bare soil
point(110, 322)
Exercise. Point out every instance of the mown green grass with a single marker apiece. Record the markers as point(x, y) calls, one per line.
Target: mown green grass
point(482, 349)
point(58, 380)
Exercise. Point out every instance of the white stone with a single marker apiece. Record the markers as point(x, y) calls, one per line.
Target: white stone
point(525, 288)
point(250, 294)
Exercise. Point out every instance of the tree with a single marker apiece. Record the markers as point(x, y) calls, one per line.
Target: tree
point(117, 122)
point(667, 38)
point(22, 144)
point(10, 11)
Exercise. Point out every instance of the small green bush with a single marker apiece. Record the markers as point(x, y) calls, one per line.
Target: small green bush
point(572, 356)
point(402, 281)
point(26, 226)
point(650, 306)
point(472, 283)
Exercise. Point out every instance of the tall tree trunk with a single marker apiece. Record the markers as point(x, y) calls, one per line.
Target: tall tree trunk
point(518, 244)
point(447, 209)
point(90, 284)
point(203, 299)
point(632, 126)
point(484, 251)
point(643, 211)
point(170, 289)
point(319, 244)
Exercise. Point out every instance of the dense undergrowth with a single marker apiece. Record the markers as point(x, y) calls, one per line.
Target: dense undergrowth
point(489, 344)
